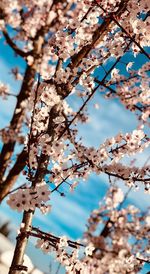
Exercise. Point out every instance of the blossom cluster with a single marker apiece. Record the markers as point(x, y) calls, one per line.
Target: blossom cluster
point(104, 159)
point(132, 90)
point(110, 229)
point(4, 90)
point(30, 198)
point(62, 248)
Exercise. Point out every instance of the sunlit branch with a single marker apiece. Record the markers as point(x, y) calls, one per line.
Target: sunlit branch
point(114, 18)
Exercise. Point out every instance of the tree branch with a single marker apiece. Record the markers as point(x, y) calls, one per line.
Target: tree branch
point(13, 175)
point(14, 46)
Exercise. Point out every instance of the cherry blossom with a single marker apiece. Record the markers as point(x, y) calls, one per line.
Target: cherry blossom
point(30, 198)
point(114, 251)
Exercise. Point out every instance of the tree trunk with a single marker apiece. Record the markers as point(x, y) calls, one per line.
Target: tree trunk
point(8, 148)
point(22, 239)
point(13, 175)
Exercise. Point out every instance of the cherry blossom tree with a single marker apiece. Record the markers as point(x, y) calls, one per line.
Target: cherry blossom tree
point(66, 46)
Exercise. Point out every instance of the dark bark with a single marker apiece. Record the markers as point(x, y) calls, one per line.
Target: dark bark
point(16, 121)
point(13, 175)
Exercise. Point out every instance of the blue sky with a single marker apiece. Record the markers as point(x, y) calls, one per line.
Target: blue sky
point(69, 214)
